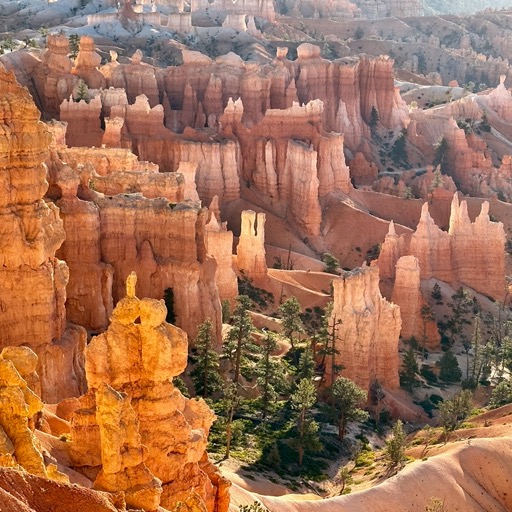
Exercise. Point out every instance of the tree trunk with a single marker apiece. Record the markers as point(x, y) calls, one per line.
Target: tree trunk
point(238, 358)
point(341, 428)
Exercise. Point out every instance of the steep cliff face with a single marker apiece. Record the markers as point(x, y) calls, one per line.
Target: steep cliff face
point(478, 250)
point(89, 290)
point(53, 78)
point(470, 254)
point(367, 329)
point(250, 252)
point(132, 402)
point(33, 280)
point(406, 294)
point(290, 159)
point(432, 247)
point(219, 244)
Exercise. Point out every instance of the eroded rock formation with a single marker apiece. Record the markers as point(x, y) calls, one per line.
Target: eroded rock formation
point(250, 252)
point(33, 281)
point(367, 329)
point(18, 406)
point(134, 426)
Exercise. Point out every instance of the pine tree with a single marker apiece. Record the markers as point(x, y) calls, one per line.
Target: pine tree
point(449, 368)
point(440, 154)
point(74, 45)
point(306, 366)
point(437, 182)
point(327, 337)
point(239, 343)
point(271, 373)
point(453, 412)
point(82, 92)
point(332, 265)
point(290, 319)
point(302, 401)
point(230, 402)
point(347, 399)
point(427, 315)
point(395, 447)
point(409, 370)
point(374, 120)
point(205, 374)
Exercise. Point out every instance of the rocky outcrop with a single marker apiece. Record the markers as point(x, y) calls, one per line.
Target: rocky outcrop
point(417, 321)
point(250, 252)
point(18, 406)
point(478, 250)
point(134, 425)
point(53, 78)
point(367, 329)
point(89, 290)
point(432, 247)
point(290, 159)
point(87, 63)
point(83, 120)
point(33, 280)
point(219, 244)
point(391, 250)
point(470, 254)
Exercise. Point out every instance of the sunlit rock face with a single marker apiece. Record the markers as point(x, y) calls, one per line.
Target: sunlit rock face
point(134, 426)
point(367, 329)
point(33, 281)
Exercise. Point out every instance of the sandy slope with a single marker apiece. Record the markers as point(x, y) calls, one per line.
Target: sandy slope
point(473, 474)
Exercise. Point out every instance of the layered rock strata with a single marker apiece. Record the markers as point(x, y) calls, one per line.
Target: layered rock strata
point(32, 280)
point(134, 425)
point(367, 329)
point(18, 406)
point(250, 252)
point(470, 254)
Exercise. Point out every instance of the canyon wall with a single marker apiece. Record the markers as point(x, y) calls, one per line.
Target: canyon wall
point(33, 290)
point(367, 329)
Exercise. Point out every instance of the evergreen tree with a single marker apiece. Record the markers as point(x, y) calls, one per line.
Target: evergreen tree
point(205, 375)
point(395, 447)
point(290, 318)
point(440, 154)
point(327, 337)
point(453, 412)
point(82, 92)
point(238, 342)
point(376, 395)
point(484, 123)
point(461, 306)
point(501, 395)
point(449, 368)
point(306, 366)
point(427, 315)
point(74, 45)
point(398, 151)
point(409, 370)
point(271, 372)
point(302, 401)
point(332, 265)
point(437, 182)
point(374, 120)
point(230, 404)
point(347, 399)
